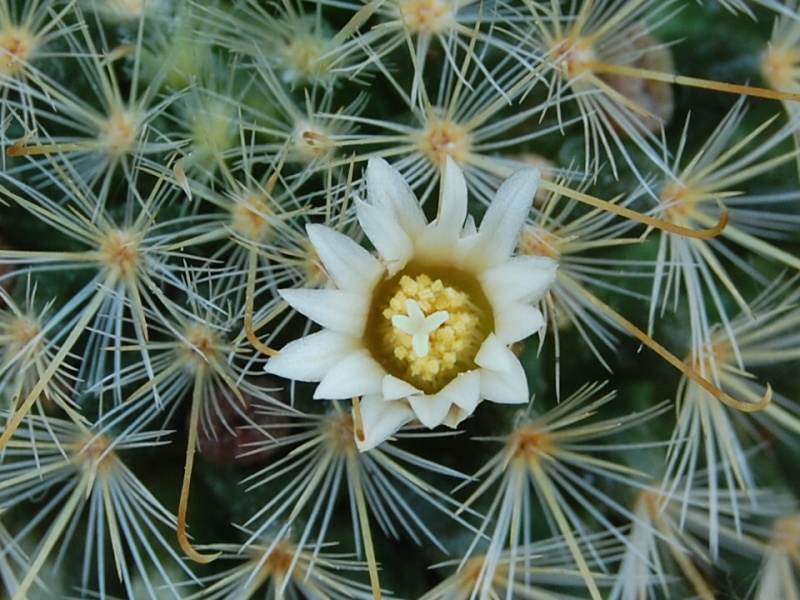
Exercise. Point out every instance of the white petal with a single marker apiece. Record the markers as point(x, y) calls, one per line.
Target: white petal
point(464, 391)
point(495, 355)
point(469, 227)
point(516, 322)
point(388, 191)
point(443, 239)
point(453, 202)
point(356, 374)
point(381, 420)
point(311, 357)
point(502, 376)
point(394, 388)
point(337, 310)
point(505, 388)
point(519, 279)
point(430, 410)
point(387, 235)
point(349, 265)
point(503, 221)
point(455, 416)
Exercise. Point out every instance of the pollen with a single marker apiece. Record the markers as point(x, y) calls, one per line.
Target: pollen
point(433, 343)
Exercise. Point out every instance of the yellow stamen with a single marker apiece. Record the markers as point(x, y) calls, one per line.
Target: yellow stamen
point(447, 343)
point(426, 329)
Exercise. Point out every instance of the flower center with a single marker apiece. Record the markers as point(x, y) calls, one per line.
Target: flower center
point(426, 327)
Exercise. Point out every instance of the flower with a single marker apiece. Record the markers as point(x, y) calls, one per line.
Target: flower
point(422, 331)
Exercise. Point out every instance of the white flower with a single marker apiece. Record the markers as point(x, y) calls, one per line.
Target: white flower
point(423, 330)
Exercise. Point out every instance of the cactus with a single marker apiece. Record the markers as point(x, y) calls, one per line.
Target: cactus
point(432, 299)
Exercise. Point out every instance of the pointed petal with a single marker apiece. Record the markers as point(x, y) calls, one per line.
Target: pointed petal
point(349, 266)
point(502, 376)
point(519, 279)
point(336, 310)
point(387, 235)
point(444, 238)
point(503, 221)
point(504, 388)
point(464, 391)
point(495, 355)
point(311, 357)
point(453, 202)
point(394, 388)
point(516, 322)
point(469, 227)
point(455, 416)
point(389, 192)
point(381, 420)
point(357, 374)
point(430, 410)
